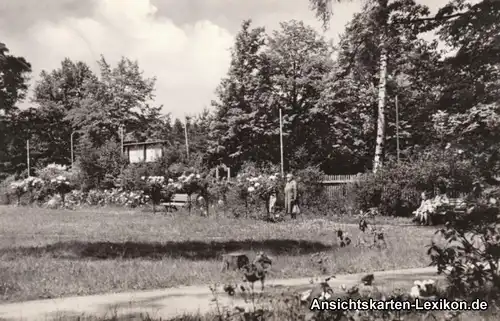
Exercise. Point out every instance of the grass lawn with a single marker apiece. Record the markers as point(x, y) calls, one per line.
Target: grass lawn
point(54, 253)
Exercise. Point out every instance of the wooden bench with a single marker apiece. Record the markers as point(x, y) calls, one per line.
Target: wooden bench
point(455, 206)
point(178, 200)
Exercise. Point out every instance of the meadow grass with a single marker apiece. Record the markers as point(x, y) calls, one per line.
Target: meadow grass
point(54, 253)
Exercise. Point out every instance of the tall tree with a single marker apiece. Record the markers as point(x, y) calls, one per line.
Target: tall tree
point(178, 137)
point(300, 59)
point(198, 131)
point(413, 69)
point(381, 19)
point(14, 72)
point(470, 84)
point(64, 86)
point(55, 94)
point(121, 97)
point(471, 74)
point(231, 137)
point(284, 70)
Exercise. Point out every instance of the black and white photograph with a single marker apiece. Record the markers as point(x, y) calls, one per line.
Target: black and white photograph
point(249, 160)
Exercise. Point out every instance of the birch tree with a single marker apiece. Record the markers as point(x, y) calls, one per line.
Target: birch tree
point(324, 12)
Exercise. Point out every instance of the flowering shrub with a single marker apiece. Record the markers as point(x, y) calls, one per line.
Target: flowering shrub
point(34, 186)
point(52, 171)
point(257, 188)
point(154, 186)
point(424, 289)
point(111, 197)
point(57, 179)
point(193, 183)
point(120, 197)
point(322, 291)
point(189, 183)
point(33, 183)
point(29, 184)
point(61, 185)
point(18, 188)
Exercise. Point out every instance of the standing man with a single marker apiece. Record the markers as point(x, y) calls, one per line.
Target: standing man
point(290, 195)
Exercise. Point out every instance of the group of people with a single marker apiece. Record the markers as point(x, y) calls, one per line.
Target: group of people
point(291, 198)
point(429, 206)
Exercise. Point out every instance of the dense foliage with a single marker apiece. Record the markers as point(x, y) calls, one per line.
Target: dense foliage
point(396, 189)
point(337, 104)
point(470, 255)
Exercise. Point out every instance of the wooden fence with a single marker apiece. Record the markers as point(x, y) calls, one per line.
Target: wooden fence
point(340, 185)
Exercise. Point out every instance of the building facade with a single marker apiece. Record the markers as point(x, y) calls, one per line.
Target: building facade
point(138, 152)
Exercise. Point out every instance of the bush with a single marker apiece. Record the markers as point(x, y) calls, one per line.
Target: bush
point(112, 197)
point(157, 189)
point(131, 177)
point(396, 188)
point(57, 179)
point(471, 252)
point(100, 166)
point(311, 190)
point(6, 196)
point(253, 187)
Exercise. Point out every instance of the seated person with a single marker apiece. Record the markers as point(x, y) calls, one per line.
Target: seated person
point(426, 207)
point(440, 199)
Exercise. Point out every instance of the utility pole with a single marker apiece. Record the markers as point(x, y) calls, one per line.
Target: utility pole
point(186, 137)
point(28, 156)
point(397, 128)
point(281, 145)
point(72, 148)
point(122, 134)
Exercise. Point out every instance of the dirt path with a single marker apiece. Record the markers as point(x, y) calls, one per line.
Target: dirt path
point(168, 303)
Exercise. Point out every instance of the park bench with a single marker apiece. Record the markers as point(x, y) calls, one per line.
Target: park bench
point(178, 200)
point(455, 206)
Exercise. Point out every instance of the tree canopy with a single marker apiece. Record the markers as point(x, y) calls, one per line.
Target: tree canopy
point(329, 96)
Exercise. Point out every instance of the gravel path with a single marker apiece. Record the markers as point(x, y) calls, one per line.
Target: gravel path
point(168, 303)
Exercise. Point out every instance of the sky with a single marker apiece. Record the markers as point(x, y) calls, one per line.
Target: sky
point(185, 44)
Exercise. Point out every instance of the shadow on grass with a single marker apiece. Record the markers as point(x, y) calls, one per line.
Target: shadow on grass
point(193, 250)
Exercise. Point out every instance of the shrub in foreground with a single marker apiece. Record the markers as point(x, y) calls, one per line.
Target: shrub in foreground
point(470, 255)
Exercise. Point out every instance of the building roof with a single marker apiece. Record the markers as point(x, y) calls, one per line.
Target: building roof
point(153, 142)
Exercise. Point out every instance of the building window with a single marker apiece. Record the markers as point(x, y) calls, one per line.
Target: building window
point(153, 153)
point(136, 154)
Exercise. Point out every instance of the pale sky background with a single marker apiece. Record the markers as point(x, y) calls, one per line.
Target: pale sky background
point(184, 43)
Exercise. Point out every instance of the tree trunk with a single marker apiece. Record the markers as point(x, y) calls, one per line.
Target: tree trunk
point(378, 160)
